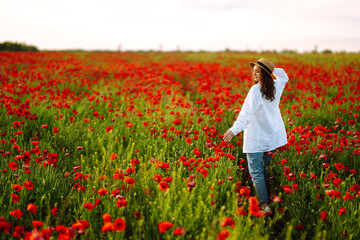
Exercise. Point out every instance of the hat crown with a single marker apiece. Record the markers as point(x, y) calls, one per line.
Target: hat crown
point(267, 64)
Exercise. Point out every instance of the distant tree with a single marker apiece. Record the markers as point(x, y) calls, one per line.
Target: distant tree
point(269, 51)
point(17, 47)
point(288, 51)
point(327, 51)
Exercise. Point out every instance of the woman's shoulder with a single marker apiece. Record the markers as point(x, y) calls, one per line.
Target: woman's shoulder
point(255, 88)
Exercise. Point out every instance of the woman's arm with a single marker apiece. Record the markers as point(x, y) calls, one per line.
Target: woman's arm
point(280, 75)
point(251, 105)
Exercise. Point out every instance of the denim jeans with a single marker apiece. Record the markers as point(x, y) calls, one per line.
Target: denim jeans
point(257, 163)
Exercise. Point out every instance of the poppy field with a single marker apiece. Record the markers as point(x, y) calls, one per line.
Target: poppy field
point(129, 146)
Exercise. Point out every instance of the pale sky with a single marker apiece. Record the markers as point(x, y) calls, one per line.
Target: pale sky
point(211, 25)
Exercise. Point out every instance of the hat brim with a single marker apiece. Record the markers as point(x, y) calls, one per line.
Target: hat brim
point(252, 65)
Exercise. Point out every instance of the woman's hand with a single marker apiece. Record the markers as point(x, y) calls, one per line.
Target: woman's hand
point(228, 136)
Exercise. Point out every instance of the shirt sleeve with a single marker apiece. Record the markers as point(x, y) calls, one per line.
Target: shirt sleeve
point(250, 106)
point(281, 75)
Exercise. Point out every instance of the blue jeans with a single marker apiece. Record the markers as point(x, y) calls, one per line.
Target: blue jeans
point(257, 163)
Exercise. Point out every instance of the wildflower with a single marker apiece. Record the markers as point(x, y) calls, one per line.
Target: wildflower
point(179, 231)
point(228, 221)
point(348, 197)
point(254, 207)
point(223, 234)
point(113, 156)
point(168, 179)
point(5, 226)
point(13, 165)
point(108, 226)
point(17, 187)
point(17, 213)
point(31, 208)
point(164, 226)
point(102, 191)
point(299, 227)
point(119, 224)
point(164, 185)
point(37, 224)
point(176, 122)
point(18, 231)
point(157, 178)
point(29, 185)
point(121, 203)
point(54, 211)
point(15, 198)
point(323, 215)
point(342, 211)
point(130, 180)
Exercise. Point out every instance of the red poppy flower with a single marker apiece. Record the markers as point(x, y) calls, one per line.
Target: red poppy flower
point(176, 122)
point(121, 203)
point(15, 198)
point(241, 212)
point(323, 215)
point(54, 211)
point(312, 176)
point(299, 227)
point(164, 226)
point(130, 180)
point(108, 226)
point(18, 231)
point(157, 177)
point(223, 235)
point(348, 197)
point(31, 208)
point(342, 211)
point(113, 156)
point(102, 191)
point(5, 226)
point(17, 213)
point(254, 207)
point(89, 206)
point(283, 161)
point(137, 214)
point(130, 170)
point(119, 224)
point(163, 186)
point(188, 141)
point(168, 179)
point(29, 185)
point(61, 229)
point(37, 224)
point(77, 226)
point(228, 221)
point(17, 187)
point(84, 223)
point(106, 217)
point(179, 231)
point(13, 165)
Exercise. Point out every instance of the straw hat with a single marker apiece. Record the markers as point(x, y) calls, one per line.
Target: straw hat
point(264, 64)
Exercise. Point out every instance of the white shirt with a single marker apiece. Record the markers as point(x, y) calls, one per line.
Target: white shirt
point(261, 119)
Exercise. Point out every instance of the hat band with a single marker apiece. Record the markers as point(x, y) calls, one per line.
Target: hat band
point(264, 66)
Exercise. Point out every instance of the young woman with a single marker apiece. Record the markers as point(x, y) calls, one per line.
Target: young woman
point(263, 127)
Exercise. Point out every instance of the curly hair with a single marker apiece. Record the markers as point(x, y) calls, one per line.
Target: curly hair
point(267, 88)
